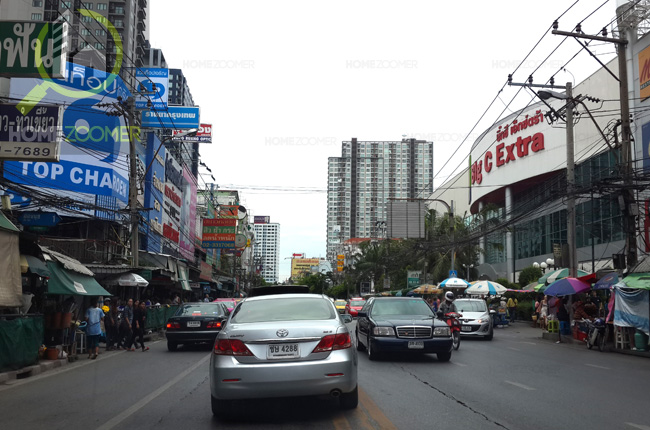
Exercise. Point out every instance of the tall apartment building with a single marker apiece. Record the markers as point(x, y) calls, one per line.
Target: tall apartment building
point(266, 250)
point(365, 177)
point(88, 39)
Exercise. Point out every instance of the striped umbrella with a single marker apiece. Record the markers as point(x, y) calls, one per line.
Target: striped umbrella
point(553, 276)
point(454, 283)
point(486, 288)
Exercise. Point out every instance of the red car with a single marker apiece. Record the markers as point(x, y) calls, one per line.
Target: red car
point(354, 306)
point(230, 303)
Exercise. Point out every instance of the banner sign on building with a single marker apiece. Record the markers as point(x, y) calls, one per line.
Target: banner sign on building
point(188, 214)
point(301, 266)
point(645, 143)
point(219, 233)
point(19, 41)
point(154, 83)
point(175, 117)
point(204, 135)
point(644, 73)
point(30, 136)
point(258, 219)
point(229, 211)
point(154, 193)
point(172, 202)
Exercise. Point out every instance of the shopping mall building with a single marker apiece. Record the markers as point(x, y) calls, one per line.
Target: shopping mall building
point(518, 176)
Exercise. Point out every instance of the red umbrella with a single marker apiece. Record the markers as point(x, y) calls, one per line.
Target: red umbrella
point(567, 287)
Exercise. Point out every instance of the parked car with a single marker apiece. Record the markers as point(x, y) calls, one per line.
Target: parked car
point(354, 305)
point(195, 323)
point(401, 324)
point(476, 320)
point(283, 346)
point(340, 305)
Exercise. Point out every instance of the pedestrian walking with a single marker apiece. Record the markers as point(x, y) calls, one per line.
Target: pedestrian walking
point(110, 324)
point(94, 316)
point(139, 321)
point(511, 309)
point(128, 329)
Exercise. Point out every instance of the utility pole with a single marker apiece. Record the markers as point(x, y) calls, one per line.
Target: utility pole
point(133, 183)
point(571, 180)
point(629, 210)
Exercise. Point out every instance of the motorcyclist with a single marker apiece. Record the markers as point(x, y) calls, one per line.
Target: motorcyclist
point(448, 305)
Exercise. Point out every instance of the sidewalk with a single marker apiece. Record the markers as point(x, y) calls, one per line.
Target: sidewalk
point(9, 377)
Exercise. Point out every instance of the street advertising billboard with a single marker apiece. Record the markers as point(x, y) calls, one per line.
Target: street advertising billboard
point(188, 214)
point(154, 193)
point(644, 73)
point(406, 219)
point(33, 49)
point(259, 219)
point(30, 136)
point(93, 165)
point(173, 202)
point(153, 87)
point(219, 233)
point(301, 266)
point(175, 117)
point(204, 135)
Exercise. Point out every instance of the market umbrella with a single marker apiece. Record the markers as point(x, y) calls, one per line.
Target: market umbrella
point(486, 288)
point(454, 283)
point(606, 282)
point(637, 280)
point(567, 287)
point(553, 276)
point(426, 289)
point(533, 286)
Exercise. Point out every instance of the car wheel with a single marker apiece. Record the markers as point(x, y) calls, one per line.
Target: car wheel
point(444, 356)
point(360, 346)
point(490, 335)
point(350, 400)
point(171, 346)
point(220, 408)
point(372, 355)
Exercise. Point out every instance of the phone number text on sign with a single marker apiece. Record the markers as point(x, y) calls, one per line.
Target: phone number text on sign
point(33, 151)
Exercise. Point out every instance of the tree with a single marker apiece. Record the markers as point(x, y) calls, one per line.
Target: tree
point(528, 275)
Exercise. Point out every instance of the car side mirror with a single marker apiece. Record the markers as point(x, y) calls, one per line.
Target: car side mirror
point(362, 314)
point(347, 318)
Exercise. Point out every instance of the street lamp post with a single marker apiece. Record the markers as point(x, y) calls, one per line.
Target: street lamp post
point(467, 268)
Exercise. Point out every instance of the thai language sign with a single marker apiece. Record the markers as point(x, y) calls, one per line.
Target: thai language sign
point(176, 117)
point(219, 233)
point(204, 135)
point(30, 136)
point(154, 88)
point(33, 49)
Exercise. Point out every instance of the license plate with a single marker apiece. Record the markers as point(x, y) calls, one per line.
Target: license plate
point(194, 323)
point(466, 328)
point(416, 344)
point(284, 350)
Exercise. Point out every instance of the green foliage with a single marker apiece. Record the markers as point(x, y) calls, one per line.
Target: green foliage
point(507, 284)
point(318, 283)
point(338, 291)
point(528, 275)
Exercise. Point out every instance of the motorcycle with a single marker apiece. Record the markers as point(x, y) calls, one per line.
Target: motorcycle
point(453, 321)
point(596, 334)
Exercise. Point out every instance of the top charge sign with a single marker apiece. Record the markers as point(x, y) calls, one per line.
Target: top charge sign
point(505, 153)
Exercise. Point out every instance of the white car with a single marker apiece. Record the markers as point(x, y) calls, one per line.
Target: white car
point(283, 345)
point(476, 320)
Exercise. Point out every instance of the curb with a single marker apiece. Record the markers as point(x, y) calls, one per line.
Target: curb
point(7, 378)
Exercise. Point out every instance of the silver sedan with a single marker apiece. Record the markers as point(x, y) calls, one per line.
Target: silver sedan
point(283, 346)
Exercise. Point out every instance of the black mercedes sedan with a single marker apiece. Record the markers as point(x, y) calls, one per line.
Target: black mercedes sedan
point(195, 323)
point(401, 324)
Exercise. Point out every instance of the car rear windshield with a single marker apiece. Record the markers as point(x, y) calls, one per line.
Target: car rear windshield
point(357, 302)
point(470, 306)
point(200, 309)
point(401, 307)
point(340, 303)
point(284, 309)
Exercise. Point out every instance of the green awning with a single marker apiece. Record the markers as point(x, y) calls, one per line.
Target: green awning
point(636, 280)
point(5, 224)
point(64, 281)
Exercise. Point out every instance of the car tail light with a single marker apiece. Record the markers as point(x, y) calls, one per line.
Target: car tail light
point(214, 324)
point(173, 325)
point(231, 347)
point(333, 342)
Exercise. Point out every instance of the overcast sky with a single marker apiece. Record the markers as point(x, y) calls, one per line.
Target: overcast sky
point(285, 81)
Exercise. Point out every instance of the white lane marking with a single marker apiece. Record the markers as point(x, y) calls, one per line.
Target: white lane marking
point(638, 426)
point(115, 421)
point(514, 349)
point(597, 367)
point(459, 364)
point(517, 384)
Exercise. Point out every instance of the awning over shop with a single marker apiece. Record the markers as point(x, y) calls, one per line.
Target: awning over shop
point(64, 281)
point(33, 265)
point(163, 262)
point(183, 276)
